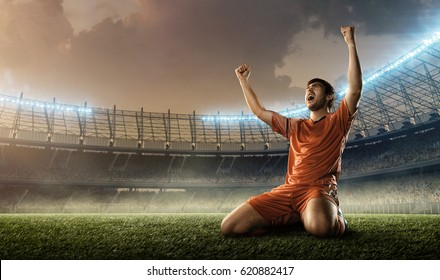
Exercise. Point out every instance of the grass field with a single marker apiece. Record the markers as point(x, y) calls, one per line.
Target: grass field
point(197, 236)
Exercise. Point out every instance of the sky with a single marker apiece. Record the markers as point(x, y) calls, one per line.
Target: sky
point(181, 54)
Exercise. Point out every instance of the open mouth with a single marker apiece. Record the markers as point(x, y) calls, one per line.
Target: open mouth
point(310, 97)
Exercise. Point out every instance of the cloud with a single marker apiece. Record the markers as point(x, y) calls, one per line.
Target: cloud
point(32, 38)
point(179, 55)
point(375, 17)
point(185, 53)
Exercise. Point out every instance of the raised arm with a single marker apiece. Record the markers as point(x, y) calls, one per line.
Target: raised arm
point(243, 72)
point(353, 94)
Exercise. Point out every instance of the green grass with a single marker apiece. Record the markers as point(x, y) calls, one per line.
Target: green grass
point(197, 236)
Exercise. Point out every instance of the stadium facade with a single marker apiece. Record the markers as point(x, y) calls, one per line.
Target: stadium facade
point(47, 144)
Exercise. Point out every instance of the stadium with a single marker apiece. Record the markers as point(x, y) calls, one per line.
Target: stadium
point(69, 159)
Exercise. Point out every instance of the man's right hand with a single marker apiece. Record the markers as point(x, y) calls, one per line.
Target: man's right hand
point(243, 72)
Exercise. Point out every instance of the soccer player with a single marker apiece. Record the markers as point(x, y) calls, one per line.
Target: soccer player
point(309, 194)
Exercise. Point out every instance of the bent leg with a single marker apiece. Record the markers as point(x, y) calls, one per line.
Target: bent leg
point(243, 220)
point(321, 218)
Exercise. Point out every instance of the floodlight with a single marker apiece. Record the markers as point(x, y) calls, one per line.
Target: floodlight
point(426, 43)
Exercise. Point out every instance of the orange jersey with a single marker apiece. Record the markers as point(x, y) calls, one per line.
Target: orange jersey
point(315, 147)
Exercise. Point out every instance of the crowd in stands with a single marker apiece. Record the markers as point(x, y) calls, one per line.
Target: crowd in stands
point(387, 153)
point(404, 189)
point(73, 166)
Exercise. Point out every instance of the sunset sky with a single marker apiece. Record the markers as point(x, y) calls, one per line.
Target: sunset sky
point(181, 54)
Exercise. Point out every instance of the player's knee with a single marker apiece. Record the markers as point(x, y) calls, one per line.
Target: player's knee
point(226, 227)
point(321, 228)
point(229, 227)
point(320, 218)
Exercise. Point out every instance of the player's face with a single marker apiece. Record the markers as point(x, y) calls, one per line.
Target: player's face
point(315, 96)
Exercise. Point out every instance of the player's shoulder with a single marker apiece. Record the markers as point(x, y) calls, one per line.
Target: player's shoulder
point(298, 121)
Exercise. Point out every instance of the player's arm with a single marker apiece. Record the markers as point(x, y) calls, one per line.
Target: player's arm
point(353, 94)
point(243, 72)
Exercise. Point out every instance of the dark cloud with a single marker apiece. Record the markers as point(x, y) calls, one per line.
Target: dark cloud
point(185, 52)
point(179, 54)
point(376, 17)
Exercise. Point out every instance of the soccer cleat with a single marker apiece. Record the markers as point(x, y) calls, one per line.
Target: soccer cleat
point(345, 221)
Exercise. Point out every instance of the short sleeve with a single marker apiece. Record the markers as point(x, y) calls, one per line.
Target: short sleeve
point(282, 124)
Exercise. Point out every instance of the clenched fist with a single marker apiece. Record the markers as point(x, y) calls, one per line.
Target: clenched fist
point(348, 33)
point(243, 72)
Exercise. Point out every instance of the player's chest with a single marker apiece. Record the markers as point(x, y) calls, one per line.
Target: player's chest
point(310, 133)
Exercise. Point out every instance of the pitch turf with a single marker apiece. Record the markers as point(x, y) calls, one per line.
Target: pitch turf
point(197, 236)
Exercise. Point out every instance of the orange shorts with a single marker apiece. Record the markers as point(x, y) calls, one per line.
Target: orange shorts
point(285, 204)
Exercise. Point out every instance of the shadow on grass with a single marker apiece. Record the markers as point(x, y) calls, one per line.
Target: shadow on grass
point(299, 230)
